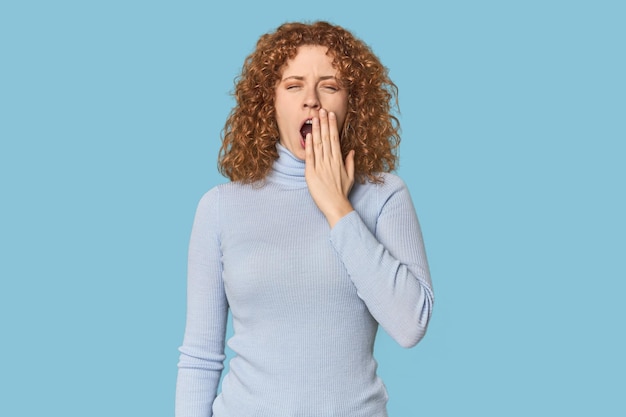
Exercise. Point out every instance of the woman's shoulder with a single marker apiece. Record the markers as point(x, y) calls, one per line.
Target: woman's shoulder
point(377, 193)
point(229, 191)
point(392, 180)
point(387, 182)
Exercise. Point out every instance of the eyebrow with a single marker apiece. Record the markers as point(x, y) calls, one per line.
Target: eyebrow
point(301, 78)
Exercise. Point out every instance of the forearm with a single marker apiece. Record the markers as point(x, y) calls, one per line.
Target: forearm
point(393, 279)
point(196, 390)
point(202, 352)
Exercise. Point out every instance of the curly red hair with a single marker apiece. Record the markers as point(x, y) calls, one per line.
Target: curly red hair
point(251, 132)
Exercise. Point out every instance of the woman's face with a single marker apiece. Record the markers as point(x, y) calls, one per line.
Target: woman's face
point(308, 83)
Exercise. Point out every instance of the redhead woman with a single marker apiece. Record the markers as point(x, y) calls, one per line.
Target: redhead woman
point(313, 243)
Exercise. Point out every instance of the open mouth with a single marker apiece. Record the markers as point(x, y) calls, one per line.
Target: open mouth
point(307, 127)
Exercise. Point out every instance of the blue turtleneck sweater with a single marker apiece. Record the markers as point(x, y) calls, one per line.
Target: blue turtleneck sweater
point(306, 300)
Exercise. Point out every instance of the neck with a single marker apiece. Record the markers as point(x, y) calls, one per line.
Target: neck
point(287, 169)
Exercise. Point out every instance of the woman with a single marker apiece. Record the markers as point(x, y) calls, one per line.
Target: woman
point(311, 245)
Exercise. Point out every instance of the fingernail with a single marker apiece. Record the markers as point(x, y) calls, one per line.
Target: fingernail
point(322, 112)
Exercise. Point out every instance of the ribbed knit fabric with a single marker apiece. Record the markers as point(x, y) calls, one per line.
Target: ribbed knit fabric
point(306, 300)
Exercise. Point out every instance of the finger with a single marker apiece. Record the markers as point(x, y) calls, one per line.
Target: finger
point(316, 140)
point(350, 165)
point(335, 145)
point(325, 133)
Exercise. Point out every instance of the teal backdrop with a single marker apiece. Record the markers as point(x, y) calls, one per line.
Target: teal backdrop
point(513, 119)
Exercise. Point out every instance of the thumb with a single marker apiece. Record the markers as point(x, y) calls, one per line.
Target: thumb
point(350, 165)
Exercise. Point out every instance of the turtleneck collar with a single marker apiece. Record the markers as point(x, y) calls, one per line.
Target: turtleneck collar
point(287, 169)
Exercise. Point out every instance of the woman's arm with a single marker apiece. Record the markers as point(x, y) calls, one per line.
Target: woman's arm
point(388, 266)
point(202, 352)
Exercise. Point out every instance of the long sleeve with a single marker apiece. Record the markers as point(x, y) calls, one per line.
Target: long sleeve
point(387, 263)
point(202, 352)
point(306, 301)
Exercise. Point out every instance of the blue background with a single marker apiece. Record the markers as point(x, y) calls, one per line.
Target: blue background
point(513, 117)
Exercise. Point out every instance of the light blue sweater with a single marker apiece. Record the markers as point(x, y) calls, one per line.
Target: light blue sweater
point(306, 300)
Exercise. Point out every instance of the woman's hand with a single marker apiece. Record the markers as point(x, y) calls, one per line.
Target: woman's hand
point(329, 179)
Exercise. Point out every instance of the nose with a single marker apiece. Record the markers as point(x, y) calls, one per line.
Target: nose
point(311, 100)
